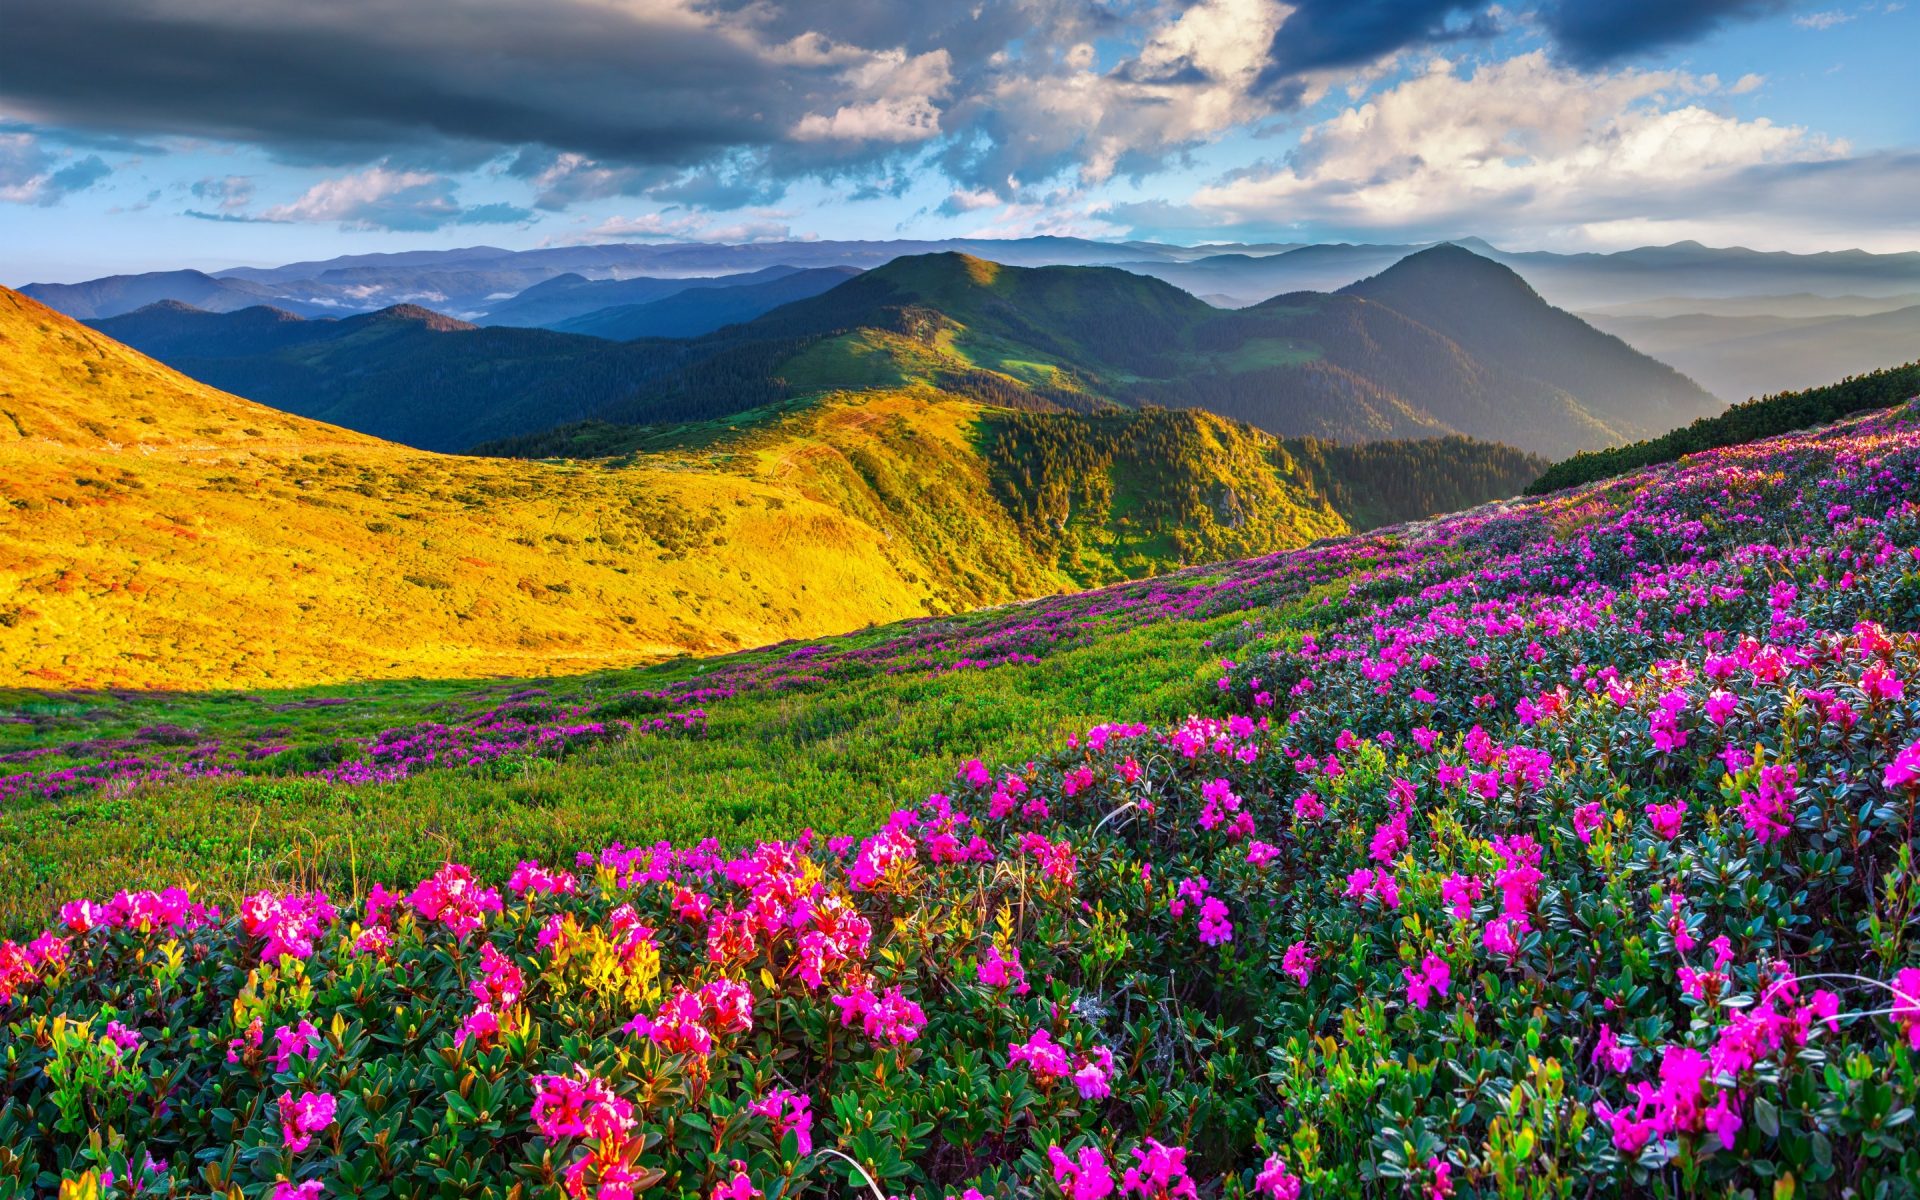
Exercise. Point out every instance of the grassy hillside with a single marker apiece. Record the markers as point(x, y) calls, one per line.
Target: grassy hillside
point(1561, 848)
point(164, 534)
point(1765, 417)
point(159, 528)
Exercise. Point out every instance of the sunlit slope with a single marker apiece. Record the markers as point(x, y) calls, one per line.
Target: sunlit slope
point(160, 533)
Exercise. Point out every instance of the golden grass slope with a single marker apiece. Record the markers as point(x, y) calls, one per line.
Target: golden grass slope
point(158, 533)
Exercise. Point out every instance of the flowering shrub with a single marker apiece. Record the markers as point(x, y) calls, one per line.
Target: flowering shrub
point(1571, 853)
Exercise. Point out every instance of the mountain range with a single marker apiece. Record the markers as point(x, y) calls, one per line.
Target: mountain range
point(1742, 354)
point(476, 283)
point(1443, 342)
point(158, 525)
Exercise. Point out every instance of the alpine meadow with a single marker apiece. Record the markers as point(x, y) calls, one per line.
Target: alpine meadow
point(1044, 600)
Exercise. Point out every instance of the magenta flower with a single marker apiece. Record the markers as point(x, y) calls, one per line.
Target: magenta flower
point(1159, 1174)
point(1003, 971)
point(1904, 771)
point(1085, 1176)
point(1434, 976)
point(1767, 807)
point(787, 1112)
point(1298, 962)
point(1667, 818)
point(1275, 1181)
point(454, 899)
point(579, 1105)
point(736, 1186)
point(302, 1116)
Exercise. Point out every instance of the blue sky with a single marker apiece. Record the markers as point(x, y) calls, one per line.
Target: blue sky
point(150, 134)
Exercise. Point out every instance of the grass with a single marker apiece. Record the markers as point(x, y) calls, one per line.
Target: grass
point(837, 758)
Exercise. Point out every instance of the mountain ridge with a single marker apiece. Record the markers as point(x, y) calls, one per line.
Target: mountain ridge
point(159, 525)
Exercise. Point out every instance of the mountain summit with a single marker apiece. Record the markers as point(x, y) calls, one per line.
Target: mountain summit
point(1493, 313)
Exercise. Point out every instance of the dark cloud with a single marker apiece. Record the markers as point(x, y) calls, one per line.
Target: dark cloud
point(720, 103)
point(1590, 34)
point(1322, 34)
point(76, 177)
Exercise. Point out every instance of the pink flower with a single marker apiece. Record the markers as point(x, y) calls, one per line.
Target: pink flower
point(737, 1186)
point(1881, 684)
point(1721, 706)
point(287, 1190)
point(1906, 1004)
point(1215, 928)
point(1085, 1176)
point(481, 1025)
point(786, 1112)
point(1667, 818)
point(1724, 1120)
point(1091, 1080)
point(579, 1105)
point(1298, 962)
point(1276, 1182)
point(302, 1116)
point(1768, 807)
point(996, 970)
point(1904, 771)
point(891, 1019)
point(453, 898)
point(1159, 1174)
point(291, 1042)
point(1586, 819)
point(1608, 1052)
point(1459, 893)
point(1041, 1055)
point(1433, 976)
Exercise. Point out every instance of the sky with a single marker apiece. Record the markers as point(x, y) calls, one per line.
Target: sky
point(154, 134)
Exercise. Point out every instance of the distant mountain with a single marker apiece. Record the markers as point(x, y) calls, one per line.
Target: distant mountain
point(1797, 305)
point(1490, 310)
point(1245, 279)
point(1349, 367)
point(118, 294)
point(554, 302)
point(1586, 280)
point(696, 310)
point(405, 374)
point(473, 281)
point(1739, 358)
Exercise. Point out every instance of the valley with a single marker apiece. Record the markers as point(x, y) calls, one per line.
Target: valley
point(156, 526)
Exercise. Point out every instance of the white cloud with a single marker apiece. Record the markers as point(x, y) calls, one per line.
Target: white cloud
point(384, 197)
point(1520, 145)
point(1195, 76)
point(685, 227)
point(1823, 20)
point(896, 105)
point(357, 200)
